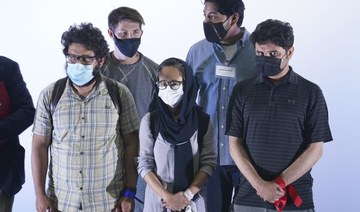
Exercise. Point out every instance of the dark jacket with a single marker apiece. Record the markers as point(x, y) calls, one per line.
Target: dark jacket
point(20, 115)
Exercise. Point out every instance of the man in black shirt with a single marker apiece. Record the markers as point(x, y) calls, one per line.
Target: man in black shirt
point(277, 124)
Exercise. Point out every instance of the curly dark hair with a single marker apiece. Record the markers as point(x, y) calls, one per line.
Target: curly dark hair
point(229, 7)
point(274, 31)
point(124, 13)
point(89, 36)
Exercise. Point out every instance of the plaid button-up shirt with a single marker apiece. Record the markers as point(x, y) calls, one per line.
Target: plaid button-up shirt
point(86, 153)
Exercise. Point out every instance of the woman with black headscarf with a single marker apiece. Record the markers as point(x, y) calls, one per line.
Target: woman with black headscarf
point(176, 154)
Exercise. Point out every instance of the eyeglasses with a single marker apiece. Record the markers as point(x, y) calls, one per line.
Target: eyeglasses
point(174, 85)
point(85, 60)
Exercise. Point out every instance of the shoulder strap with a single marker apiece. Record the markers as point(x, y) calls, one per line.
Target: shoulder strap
point(203, 125)
point(58, 90)
point(113, 89)
point(154, 123)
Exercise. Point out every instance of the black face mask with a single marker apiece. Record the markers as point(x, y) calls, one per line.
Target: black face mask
point(215, 32)
point(269, 66)
point(128, 47)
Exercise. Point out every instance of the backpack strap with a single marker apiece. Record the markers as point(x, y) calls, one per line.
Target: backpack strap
point(57, 92)
point(59, 88)
point(114, 93)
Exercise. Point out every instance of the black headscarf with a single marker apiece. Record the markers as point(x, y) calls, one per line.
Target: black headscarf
point(179, 132)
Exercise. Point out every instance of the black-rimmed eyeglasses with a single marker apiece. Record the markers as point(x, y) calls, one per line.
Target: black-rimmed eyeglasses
point(85, 60)
point(174, 85)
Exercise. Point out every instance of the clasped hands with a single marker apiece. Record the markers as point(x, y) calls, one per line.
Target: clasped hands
point(269, 191)
point(175, 202)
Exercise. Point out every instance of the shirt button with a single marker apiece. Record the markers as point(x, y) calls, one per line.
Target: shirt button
point(83, 136)
point(81, 188)
point(222, 107)
point(81, 153)
point(80, 171)
point(224, 88)
point(222, 126)
point(222, 144)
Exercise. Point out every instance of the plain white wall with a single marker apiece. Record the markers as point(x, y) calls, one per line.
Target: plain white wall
point(326, 43)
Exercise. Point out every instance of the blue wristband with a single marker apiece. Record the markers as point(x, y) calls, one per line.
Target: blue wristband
point(128, 193)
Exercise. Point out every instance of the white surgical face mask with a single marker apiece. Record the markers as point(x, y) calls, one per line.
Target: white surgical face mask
point(171, 97)
point(79, 74)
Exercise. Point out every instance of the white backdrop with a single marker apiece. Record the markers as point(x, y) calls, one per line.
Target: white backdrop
point(326, 43)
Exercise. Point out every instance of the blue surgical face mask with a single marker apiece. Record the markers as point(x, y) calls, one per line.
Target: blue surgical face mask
point(79, 74)
point(128, 47)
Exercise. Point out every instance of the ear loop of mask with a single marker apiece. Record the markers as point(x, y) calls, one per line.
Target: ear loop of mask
point(281, 59)
point(212, 25)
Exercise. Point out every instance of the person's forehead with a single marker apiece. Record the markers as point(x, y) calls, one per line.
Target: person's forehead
point(211, 8)
point(79, 49)
point(267, 47)
point(170, 71)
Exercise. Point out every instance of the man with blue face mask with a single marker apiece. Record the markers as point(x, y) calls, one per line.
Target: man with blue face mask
point(130, 67)
point(92, 144)
point(277, 123)
point(221, 60)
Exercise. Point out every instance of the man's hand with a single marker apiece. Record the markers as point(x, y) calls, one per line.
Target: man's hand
point(269, 191)
point(176, 202)
point(125, 205)
point(43, 204)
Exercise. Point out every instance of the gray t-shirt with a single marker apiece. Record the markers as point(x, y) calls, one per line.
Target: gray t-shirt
point(138, 77)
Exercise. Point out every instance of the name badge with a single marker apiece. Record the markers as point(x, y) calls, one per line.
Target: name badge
point(224, 71)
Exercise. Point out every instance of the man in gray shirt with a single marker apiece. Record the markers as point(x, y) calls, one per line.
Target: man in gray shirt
point(131, 68)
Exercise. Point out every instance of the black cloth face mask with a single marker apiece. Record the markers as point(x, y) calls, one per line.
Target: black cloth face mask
point(215, 32)
point(269, 66)
point(128, 47)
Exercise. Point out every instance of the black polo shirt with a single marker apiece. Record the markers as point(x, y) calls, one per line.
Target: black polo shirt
point(277, 122)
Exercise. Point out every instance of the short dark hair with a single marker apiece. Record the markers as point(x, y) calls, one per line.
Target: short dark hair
point(87, 35)
point(124, 13)
point(229, 7)
point(274, 31)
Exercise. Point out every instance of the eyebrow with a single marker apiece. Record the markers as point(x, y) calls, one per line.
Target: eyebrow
point(274, 51)
point(211, 13)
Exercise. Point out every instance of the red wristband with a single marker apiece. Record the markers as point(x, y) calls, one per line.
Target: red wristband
point(280, 204)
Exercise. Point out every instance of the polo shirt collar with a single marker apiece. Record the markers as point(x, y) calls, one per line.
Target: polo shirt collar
point(290, 78)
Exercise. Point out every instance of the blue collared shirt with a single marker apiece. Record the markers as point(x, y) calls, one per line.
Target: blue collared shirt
point(215, 91)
